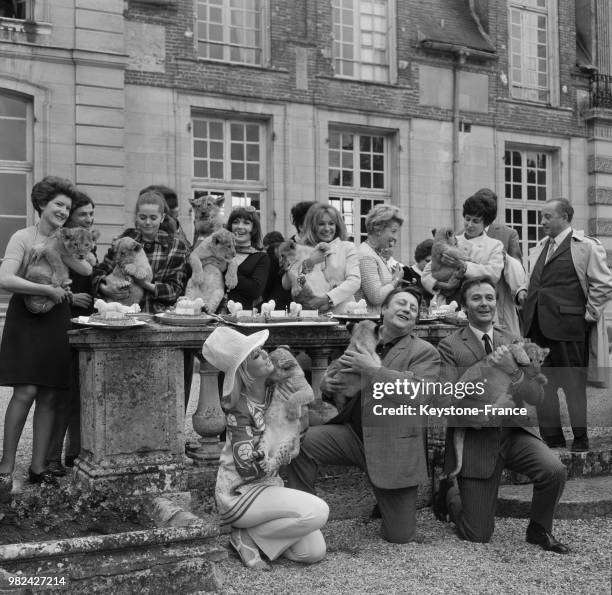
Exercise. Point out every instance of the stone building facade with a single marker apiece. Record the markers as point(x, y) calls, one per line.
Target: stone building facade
point(271, 102)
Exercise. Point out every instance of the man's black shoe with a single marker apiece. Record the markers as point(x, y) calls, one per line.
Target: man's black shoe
point(439, 506)
point(580, 444)
point(555, 442)
point(537, 535)
point(375, 514)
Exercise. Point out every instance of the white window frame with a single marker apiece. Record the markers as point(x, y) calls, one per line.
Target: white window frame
point(21, 167)
point(349, 200)
point(522, 207)
point(358, 48)
point(522, 89)
point(236, 192)
point(263, 48)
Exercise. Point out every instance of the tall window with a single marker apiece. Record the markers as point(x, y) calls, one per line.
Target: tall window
point(363, 39)
point(15, 165)
point(358, 176)
point(231, 30)
point(532, 55)
point(528, 186)
point(229, 159)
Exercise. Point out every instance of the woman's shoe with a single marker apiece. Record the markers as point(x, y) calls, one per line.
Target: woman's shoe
point(6, 485)
point(44, 476)
point(248, 552)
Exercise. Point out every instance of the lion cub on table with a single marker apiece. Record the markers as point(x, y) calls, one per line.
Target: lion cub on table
point(280, 441)
point(49, 262)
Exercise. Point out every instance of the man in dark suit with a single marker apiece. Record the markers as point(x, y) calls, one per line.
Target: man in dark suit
point(568, 285)
point(498, 231)
point(390, 448)
point(494, 443)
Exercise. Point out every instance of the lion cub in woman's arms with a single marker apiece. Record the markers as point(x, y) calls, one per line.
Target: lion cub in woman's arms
point(130, 264)
point(280, 441)
point(291, 257)
point(210, 259)
point(49, 262)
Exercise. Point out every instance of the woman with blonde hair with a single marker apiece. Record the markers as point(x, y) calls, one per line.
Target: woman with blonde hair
point(335, 257)
point(380, 273)
point(264, 516)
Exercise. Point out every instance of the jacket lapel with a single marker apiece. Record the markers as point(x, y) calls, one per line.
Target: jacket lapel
point(472, 343)
point(565, 244)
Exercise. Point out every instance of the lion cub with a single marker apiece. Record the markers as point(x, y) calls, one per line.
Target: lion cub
point(130, 263)
point(365, 335)
point(291, 257)
point(207, 215)
point(49, 262)
point(445, 242)
point(210, 259)
point(529, 357)
point(280, 441)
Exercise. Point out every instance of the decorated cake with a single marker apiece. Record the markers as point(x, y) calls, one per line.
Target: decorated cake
point(359, 307)
point(268, 314)
point(113, 312)
point(187, 307)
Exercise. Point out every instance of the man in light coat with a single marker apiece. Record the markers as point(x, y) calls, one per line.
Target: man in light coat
point(568, 285)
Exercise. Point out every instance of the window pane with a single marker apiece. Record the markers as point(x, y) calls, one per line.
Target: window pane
point(200, 169)
point(237, 171)
point(12, 106)
point(13, 140)
point(13, 198)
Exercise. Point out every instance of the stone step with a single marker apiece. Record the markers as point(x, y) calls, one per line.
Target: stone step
point(594, 463)
point(582, 498)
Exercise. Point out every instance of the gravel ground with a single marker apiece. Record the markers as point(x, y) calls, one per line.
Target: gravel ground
point(359, 561)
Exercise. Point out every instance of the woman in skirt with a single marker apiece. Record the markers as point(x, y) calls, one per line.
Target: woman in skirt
point(35, 354)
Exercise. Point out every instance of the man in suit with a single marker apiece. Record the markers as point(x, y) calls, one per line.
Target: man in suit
point(498, 231)
point(568, 286)
point(391, 449)
point(493, 443)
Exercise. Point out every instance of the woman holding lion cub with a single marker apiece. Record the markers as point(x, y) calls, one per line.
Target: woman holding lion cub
point(35, 355)
point(264, 515)
point(166, 254)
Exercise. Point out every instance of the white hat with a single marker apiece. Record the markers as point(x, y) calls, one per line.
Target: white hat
point(226, 349)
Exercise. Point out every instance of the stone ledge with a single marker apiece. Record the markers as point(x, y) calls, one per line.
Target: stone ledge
point(582, 499)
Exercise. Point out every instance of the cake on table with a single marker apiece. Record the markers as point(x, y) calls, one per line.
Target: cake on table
point(113, 313)
point(268, 314)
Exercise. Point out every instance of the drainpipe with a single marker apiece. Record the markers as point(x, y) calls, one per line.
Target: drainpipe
point(460, 57)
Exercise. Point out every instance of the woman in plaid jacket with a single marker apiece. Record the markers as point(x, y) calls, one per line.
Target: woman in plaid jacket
point(167, 255)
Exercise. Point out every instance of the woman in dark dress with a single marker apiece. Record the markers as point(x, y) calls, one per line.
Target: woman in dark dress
point(253, 263)
point(35, 354)
point(67, 420)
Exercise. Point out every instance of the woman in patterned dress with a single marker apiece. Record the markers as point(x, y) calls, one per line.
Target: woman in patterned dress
point(264, 516)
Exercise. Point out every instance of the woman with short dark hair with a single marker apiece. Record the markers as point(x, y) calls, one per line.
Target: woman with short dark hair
point(35, 354)
point(253, 262)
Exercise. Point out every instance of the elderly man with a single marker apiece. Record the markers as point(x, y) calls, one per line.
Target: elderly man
point(490, 444)
point(390, 448)
point(568, 286)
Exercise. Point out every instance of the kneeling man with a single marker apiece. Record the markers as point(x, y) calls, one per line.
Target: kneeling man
point(490, 445)
point(390, 447)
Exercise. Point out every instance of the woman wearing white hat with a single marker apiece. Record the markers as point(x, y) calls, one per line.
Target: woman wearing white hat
point(263, 514)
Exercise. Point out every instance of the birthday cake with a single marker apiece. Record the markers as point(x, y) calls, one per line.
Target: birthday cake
point(359, 307)
point(187, 307)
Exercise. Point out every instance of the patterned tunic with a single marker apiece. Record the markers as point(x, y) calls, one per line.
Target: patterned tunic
point(240, 479)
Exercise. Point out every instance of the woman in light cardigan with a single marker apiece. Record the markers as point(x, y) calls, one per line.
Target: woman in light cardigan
point(338, 261)
point(380, 273)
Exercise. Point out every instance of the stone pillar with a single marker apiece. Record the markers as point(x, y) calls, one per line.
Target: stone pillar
point(209, 419)
point(132, 413)
point(320, 360)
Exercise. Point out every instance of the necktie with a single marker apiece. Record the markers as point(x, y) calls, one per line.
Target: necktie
point(487, 344)
point(551, 249)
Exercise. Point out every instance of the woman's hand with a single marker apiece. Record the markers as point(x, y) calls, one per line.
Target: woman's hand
point(317, 303)
point(82, 300)
point(57, 294)
point(358, 359)
point(115, 292)
point(398, 275)
point(146, 285)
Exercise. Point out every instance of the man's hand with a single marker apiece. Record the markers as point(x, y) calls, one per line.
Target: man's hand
point(521, 296)
point(115, 292)
point(317, 303)
point(504, 360)
point(358, 359)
